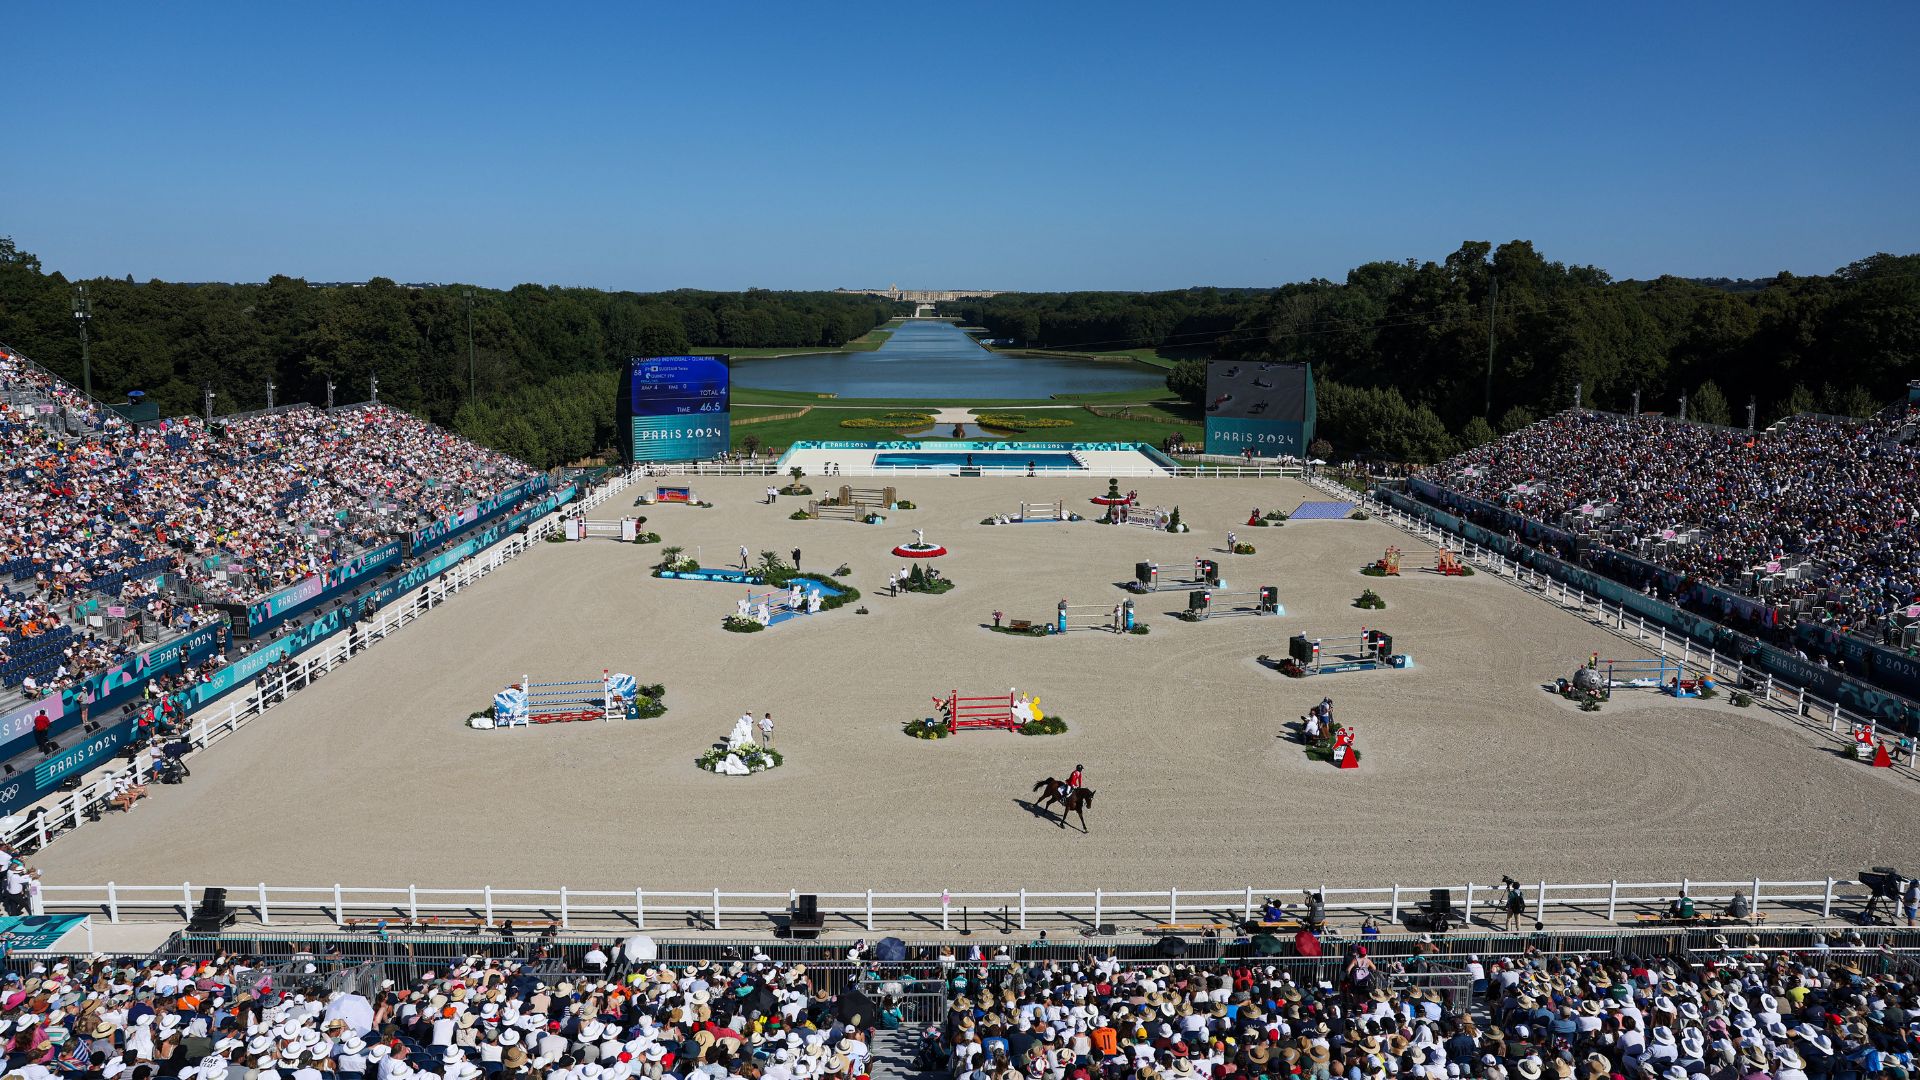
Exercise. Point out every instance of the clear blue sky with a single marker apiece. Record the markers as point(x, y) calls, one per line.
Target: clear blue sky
point(1027, 145)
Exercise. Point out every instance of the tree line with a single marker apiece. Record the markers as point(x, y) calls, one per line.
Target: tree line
point(1401, 349)
point(535, 348)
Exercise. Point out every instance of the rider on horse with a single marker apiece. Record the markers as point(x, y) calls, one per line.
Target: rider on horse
point(1074, 782)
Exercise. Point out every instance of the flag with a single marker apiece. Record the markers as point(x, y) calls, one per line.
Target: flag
point(77, 1059)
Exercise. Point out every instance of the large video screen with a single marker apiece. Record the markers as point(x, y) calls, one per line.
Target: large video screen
point(678, 407)
point(1263, 408)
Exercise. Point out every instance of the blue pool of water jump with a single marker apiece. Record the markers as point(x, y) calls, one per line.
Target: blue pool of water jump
point(934, 459)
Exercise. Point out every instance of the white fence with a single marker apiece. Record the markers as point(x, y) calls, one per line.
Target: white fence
point(1777, 695)
point(1778, 903)
point(55, 817)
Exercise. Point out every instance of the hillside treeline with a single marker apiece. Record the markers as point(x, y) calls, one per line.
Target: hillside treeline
point(536, 348)
point(1400, 349)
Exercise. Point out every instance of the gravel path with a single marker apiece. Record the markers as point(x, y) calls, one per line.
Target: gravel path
point(1470, 770)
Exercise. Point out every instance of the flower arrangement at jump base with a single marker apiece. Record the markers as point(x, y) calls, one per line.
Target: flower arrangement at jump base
point(740, 754)
point(796, 488)
point(1272, 517)
point(1370, 601)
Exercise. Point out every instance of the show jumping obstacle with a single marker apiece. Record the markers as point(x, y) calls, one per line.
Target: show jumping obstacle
point(610, 697)
point(1093, 617)
point(1006, 711)
point(1365, 651)
point(1209, 603)
point(626, 529)
point(1053, 511)
point(1147, 574)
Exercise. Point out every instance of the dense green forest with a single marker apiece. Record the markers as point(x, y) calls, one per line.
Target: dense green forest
point(1400, 349)
point(543, 358)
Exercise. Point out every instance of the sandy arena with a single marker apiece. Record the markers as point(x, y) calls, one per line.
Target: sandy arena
point(1470, 770)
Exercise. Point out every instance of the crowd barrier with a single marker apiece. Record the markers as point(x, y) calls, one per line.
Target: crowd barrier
point(1826, 716)
point(226, 702)
point(1562, 906)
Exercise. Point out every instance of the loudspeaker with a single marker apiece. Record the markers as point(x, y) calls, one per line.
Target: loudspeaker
point(806, 920)
point(212, 915)
point(1106, 929)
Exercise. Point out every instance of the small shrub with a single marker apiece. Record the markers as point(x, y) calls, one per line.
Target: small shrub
point(1359, 515)
point(1046, 725)
point(557, 536)
point(1173, 522)
point(799, 515)
point(646, 538)
point(1243, 549)
point(652, 690)
point(1708, 693)
point(1370, 601)
point(862, 610)
point(1036, 630)
point(796, 489)
point(842, 572)
point(1589, 704)
point(905, 504)
point(987, 521)
point(740, 624)
point(1740, 699)
point(1138, 628)
point(649, 706)
point(1373, 570)
point(1275, 516)
point(1260, 523)
point(931, 727)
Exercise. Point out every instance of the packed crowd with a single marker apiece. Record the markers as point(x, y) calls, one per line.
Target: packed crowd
point(94, 509)
point(1734, 1016)
point(1845, 497)
point(230, 1019)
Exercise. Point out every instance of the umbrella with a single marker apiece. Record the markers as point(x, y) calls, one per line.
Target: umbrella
point(1268, 945)
point(640, 949)
point(890, 950)
point(1306, 944)
point(854, 1007)
point(1173, 948)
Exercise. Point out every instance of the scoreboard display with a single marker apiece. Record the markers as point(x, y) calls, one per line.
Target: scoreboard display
point(676, 407)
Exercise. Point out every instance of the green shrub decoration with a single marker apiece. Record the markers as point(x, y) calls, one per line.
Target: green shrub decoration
point(740, 624)
point(1370, 601)
point(1046, 725)
point(1373, 570)
point(799, 515)
point(931, 727)
point(1018, 423)
point(1359, 515)
point(1740, 699)
point(1243, 549)
point(891, 421)
point(905, 504)
point(755, 758)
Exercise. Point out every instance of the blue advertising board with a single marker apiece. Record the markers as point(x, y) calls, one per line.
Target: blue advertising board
point(676, 408)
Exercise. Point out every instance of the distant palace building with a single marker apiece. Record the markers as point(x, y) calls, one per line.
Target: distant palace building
point(922, 296)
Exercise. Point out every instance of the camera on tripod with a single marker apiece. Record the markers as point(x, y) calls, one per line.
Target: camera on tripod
point(1885, 883)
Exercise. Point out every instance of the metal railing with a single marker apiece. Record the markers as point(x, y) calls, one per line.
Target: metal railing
point(1146, 911)
point(1782, 698)
point(35, 828)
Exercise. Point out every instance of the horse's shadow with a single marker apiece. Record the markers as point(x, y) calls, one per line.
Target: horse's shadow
point(1044, 813)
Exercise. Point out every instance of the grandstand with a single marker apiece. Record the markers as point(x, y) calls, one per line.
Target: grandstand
point(1798, 534)
point(113, 534)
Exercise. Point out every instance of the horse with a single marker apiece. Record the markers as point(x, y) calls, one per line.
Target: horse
point(1076, 803)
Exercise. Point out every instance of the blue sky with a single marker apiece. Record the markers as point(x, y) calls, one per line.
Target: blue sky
point(1025, 146)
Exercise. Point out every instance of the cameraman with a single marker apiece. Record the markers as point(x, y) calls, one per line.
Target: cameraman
point(1516, 902)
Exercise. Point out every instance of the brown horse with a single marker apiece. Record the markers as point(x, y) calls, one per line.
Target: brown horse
point(1076, 803)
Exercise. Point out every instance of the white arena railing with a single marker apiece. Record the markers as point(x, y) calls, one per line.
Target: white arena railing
point(35, 828)
point(1778, 696)
point(1567, 906)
